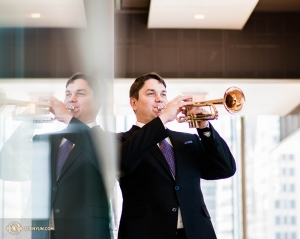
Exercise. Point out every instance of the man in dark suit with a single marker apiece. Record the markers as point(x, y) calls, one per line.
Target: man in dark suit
point(161, 169)
point(78, 199)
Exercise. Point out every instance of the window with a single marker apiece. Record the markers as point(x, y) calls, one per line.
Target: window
point(293, 220)
point(277, 204)
point(283, 187)
point(286, 235)
point(277, 235)
point(210, 191)
point(277, 220)
point(285, 220)
point(293, 204)
point(292, 172)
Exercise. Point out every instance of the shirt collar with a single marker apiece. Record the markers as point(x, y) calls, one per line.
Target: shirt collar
point(91, 125)
point(139, 124)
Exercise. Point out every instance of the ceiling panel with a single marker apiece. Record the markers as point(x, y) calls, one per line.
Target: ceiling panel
point(232, 14)
point(205, 14)
point(262, 5)
point(46, 13)
point(130, 4)
point(278, 6)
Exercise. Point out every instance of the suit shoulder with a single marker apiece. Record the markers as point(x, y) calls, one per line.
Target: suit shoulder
point(181, 134)
point(122, 136)
point(43, 136)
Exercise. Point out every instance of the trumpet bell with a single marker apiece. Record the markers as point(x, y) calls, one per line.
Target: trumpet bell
point(234, 100)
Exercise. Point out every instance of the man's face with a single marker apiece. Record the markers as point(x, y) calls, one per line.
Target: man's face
point(81, 96)
point(151, 95)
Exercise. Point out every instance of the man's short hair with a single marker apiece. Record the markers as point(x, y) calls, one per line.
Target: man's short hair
point(93, 83)
point(140, 81)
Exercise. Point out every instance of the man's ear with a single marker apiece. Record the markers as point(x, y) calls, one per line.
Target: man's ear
point(133, 102)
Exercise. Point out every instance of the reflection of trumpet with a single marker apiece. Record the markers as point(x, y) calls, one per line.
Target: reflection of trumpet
point(233, 102)
point(38, 110)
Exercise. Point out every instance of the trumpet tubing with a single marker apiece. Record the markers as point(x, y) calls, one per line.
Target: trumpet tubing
point(32, 108)
point(233, 101)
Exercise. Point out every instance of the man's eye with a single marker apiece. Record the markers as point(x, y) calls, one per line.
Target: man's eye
point(68, 95)
point(150, 94)
point(80, 94)
point(164, 95)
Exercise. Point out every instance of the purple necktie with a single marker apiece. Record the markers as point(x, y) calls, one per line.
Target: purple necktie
point(168, 152)
point(62, 155)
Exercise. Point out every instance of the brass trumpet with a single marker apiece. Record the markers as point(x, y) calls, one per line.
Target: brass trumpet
point(233, 101)
point(40, 116)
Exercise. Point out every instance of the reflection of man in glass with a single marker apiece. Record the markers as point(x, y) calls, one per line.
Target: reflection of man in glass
point(161, 169)
point(78, 200)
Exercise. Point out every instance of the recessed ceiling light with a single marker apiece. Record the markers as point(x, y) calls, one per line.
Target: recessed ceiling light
point(35, 15)
point(199, 16)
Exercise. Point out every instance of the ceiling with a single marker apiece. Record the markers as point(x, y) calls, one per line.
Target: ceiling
point(42, 13)
point(268, 98)
point(203, 14)
point(71, 13)
point(262, 5)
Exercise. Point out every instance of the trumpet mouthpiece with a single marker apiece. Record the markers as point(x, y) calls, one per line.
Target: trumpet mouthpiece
point(161, 107)
point(70, 107)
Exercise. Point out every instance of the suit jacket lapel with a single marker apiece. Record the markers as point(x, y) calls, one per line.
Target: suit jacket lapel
point(155, 151)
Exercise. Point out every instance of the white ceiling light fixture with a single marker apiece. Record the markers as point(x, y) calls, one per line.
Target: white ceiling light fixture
point(218, 14)
point(199, 16)
point(35, 15)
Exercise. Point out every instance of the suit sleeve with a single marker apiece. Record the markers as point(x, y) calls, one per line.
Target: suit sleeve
point(134, 146)
point(219, 162)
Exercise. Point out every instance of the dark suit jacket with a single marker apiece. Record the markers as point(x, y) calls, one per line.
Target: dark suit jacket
point(78, 198)
point(151, 196)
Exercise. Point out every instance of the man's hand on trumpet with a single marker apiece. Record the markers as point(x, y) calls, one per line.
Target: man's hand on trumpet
point(177, 105)
point(57, 108)
point(174, 107)
point(198, 111)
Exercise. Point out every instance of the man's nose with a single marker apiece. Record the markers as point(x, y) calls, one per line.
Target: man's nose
point(158, 98)
point(72, 98)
